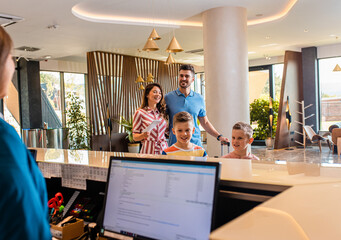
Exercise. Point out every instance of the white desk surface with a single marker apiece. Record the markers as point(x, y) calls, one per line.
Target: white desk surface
point(277, 172)
point(310, 209)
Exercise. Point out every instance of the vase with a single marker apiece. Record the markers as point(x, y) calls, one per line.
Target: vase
point(133, 147)
point(269, 142)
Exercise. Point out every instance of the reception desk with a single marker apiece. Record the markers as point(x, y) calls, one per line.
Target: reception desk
point(292, 199)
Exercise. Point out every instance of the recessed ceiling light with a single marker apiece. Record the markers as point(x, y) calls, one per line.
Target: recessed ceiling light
point(47, 57)
point(267, 37)
point(332, 35)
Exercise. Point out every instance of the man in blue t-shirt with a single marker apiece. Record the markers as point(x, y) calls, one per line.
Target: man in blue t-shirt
point(184, 99)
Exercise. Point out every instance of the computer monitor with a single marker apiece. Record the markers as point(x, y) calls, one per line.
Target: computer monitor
point(160, 199)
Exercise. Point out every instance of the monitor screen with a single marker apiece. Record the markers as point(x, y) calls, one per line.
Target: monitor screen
point(160, 199)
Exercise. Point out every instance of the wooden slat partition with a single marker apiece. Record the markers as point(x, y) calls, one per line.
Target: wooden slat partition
point(112, 82)
point(292, 87)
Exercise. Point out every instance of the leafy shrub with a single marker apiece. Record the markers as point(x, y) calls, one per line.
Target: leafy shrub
point(79, 133)
point(259, 114)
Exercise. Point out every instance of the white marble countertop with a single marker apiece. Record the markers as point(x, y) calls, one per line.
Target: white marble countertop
point(310, 209)
point(275, 171)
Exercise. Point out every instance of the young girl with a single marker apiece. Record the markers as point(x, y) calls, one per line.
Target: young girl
point(241, 138)
point(152, 108)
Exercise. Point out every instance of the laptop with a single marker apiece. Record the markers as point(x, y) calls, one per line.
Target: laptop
point(159, 199)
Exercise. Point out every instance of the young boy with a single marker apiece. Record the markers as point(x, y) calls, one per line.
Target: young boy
point(183, 128)
point(241, 138)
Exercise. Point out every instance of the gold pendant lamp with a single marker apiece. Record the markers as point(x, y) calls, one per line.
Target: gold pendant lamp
point(139, 79)
point(174, 46)
point(150, 45)
point(337, 68)
point(141, 87)
point(150, 78)
point(154, 35)
point(170, 59)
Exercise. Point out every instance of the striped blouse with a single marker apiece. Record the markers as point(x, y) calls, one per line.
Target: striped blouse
point(156, 142)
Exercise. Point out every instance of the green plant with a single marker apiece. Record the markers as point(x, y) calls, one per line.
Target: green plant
point(259, 114)
point(128, 127)
point(79, 132)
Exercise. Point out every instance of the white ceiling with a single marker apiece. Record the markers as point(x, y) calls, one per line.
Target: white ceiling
point(73, 36)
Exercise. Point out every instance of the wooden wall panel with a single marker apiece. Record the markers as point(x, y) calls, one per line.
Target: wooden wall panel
point(112, 83)
point(292, 87)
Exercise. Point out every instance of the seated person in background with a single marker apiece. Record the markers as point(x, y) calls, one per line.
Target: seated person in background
point(241, 138)
point(183, 128)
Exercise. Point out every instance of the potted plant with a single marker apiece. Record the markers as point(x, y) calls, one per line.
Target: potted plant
point(133, 147)
point(78, 130)
point(259, 115)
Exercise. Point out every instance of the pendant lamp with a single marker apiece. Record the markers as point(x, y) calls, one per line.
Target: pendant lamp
point(337, 68)
point(141, 87)
point(139, 79)
point(150, 78)
point(174, 46)
point(150, 45)
point(170, 59)
point(154, 35)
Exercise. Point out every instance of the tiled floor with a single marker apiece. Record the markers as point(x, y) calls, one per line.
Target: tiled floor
point(310, 154)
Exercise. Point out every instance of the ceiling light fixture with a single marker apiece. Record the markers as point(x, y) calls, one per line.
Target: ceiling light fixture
point(337, 68)
point(170, 59)
point(150, 45)
point(174, 46)
point(154, 35)
point(150, 78)
point(84, 11)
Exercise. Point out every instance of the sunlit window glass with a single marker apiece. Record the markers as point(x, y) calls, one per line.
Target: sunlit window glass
point(330, 92)
point(258, 85)
point(50, 86)
point(74, 83)
point(277, 70)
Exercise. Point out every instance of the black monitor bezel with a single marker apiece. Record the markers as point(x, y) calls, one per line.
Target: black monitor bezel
point(162, 160)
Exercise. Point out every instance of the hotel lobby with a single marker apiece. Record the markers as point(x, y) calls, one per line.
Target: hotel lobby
point(275, 65)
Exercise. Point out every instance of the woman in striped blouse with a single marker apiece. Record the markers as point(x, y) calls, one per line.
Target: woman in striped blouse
point(152, 108)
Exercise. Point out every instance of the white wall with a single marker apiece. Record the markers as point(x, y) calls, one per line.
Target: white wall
point(263, 61)
point(63, 66)
point(328, 51)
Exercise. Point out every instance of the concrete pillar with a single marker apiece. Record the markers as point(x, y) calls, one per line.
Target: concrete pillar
point(226, 70)
point(30, 94)
point(310, 85)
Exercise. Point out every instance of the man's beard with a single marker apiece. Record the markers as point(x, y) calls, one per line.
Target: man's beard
point(187, 85)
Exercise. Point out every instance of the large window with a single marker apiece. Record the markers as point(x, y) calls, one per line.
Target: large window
point(265, 81)
point(50, 85)
point(56, 86)
point(199, 83)
point(330, 92)
point(74, 84)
